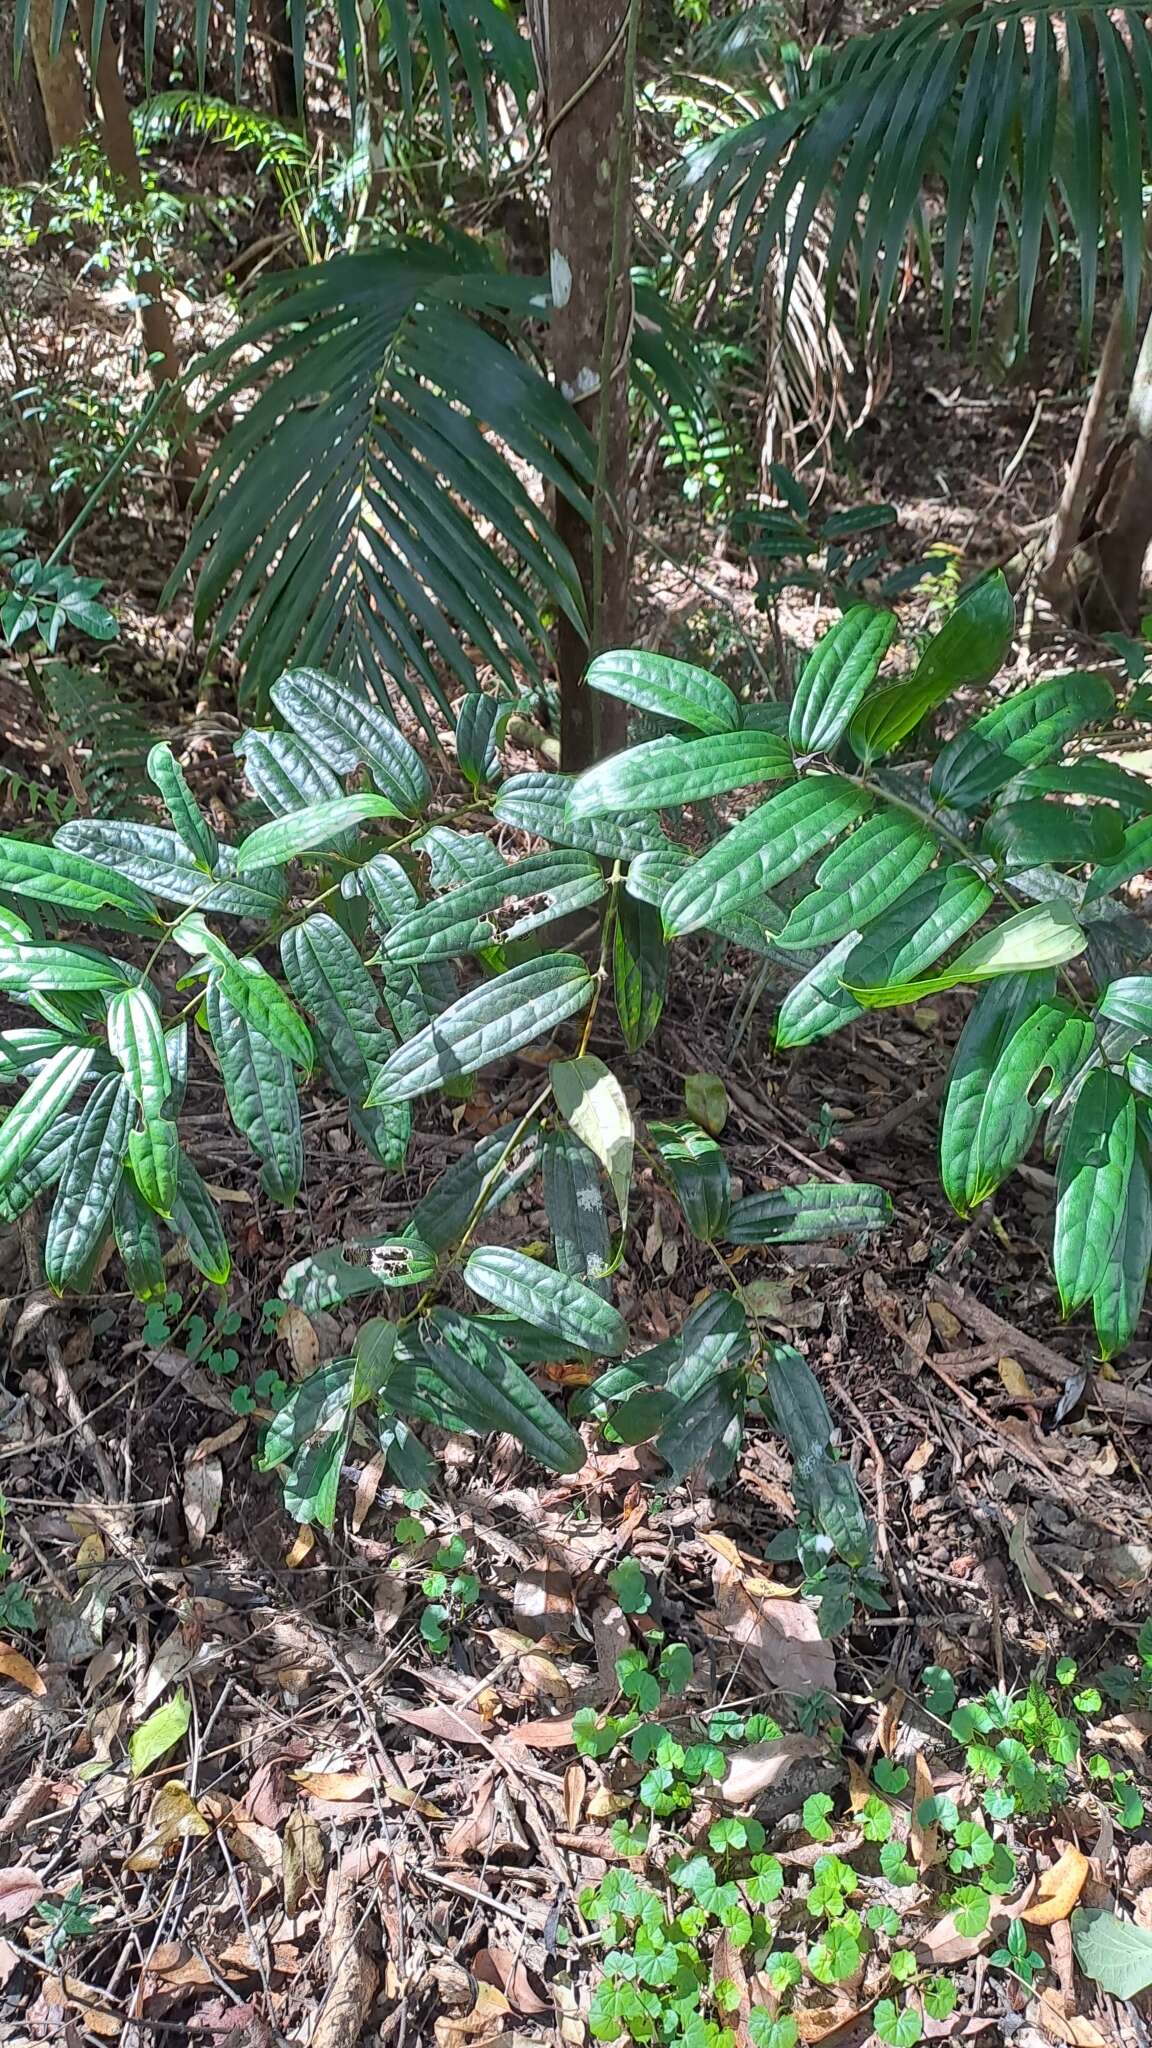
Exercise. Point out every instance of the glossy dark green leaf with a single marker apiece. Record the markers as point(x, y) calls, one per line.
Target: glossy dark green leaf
point(262, 1003)
point(698, 1171)
point(803, 1214)
point(1028, 728)
point(713, 1337)
point(1119, 1294)
point(839, 672)
point(663, 774)
point(154, 1157)
point(639, 969)
point(994, 1018)
point(311, 830)
point(1092, 1186)
point(1043, 1054)
point(477, 719)
point(261, 1094)
point(39, 1170)
point(330, 981)
point(488, 1173)
point(152, 858)
point(457, 857)
point(189, 821)
point(823, 1486)
point(704, 1425)
point(196, 1219)
point(753, 923)
point(26, 1049)
point(308, 1437)
point(1089, 776)
point(861, 879)
point(967, 651)
point(43, 1101)
point(477, 1369)
point(525, 896)
point(666, 688)
point(348, 732)
point(136, 1037)
point(577, 1215)
point(137, 1236)
point(81, 1210)
point(1047, 935)
point(1034, 833)
point(763, 849)
point(57, 967)
point(549, 1299)
point(538, 802)
point(72, 881)
point(1134, 858)
point(284, 772)
point(1129, 1001)
point(488, 1023)
point(342, 1271)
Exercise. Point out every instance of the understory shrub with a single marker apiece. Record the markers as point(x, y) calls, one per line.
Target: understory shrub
point(379, 936)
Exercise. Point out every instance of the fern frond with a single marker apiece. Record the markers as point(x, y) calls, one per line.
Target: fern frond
point(168, 114)
point(106, 732)
point(357, 516)
point(1022, 113)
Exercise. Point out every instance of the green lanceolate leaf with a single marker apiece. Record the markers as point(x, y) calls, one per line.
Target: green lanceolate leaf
point(1134, 858)
point(285, 773)
point(474, 1369)
point(821, 1484)
point(547, 1299)
point(591, 1101)
point(196, 1219)
point(1030, 727)
point(43, 1101)
point(763, 849)
point(136, 1037)
point(539, 802)
point(707, 1389)
point(1087, 777)
point(39, 1170)
point(639, 969)
point(72, 882)
point(993, 1020)
point(148, 857)
point(472, 1186)
point(861, 879)
point(366, 1266)
point(137, 1236)
point(1046, 936)
point(488, 1023)
point(668, 689)
point(457, 857)
point(189, 821)
point(698, 1171)
point(349, 733)
point(1092, 1187)
point(499, 909)
point(78, 1223)
point(154, 1156)
point(26, 1049)
point(1034, 833)
point(1129, 1001)
point(800, 1215)
point(965, 653)
point(839, 672)
point(57, 967)
point(663, 774)
point(574, 1203)
point(310, 830)
point(329, 979)
point(263, 1004)
point(1043, 1054)
point(477, 718)
point(308, 1436)
point(753, 923)
point(261, 1095)
point(1119, 1295)
point(936, 912)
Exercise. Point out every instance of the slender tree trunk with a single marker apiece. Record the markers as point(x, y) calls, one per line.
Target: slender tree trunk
point(120, 149)
point(1113, 599)
point(589, 142)
point(61, 86)
point(273, 17)
point(23, 119)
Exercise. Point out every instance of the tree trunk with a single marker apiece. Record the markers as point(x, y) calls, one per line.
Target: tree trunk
point(23, 119)
point(61, 86)
point(124, 164)
point(273, 16)
point(589, 141)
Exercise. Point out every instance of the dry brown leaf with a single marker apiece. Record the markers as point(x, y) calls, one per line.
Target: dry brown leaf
point(295, 1330)
point(173, 1817)
point(367, 1487)
point(506, 1970)
point(1014, 1379)
point(90, 1554)
point(337, 1786)
point(203, 1493)
point(946, 1325)
point(486, 2018)
point(1059, 1889)
point(575, 1793)
point(555, 1734)
point(257, 1846)
point(762, 1587)
point(1046, 2011)
point(859, 1786)
point(922, 1840)
point(888, 1725)
point(781, 1635)
point(1038, 1581)
point(542, 1602)
point(917, 1459)
point(943, 1945)
point(449, 1724)
point(20, 1891)
point(302, 1548)
point(827, 2022)
point(543, 1679)
point(303, 1859)
point(17, 1668)
point(752, 1770)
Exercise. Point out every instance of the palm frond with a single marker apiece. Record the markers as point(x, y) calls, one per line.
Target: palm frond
point(106, 732)
point(1019, 114)
point(358, 516)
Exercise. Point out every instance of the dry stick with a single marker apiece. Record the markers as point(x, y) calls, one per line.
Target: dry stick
point(1133, 1404)
point(66, 1395)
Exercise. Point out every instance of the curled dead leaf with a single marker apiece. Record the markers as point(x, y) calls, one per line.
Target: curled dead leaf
point(173, 1817)
point(781, 1635)
point(302, 1548)
point(17, 1668)
point(1059, 1889)
point(340, 1786)
point(754, 1770)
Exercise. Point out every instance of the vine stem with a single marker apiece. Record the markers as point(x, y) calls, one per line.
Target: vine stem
point(608, 368)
